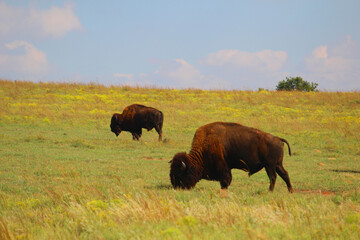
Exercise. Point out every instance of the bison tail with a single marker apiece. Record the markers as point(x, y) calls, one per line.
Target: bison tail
point(283, 140)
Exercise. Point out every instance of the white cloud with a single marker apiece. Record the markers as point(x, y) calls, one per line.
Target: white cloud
point(177, 73)
point(246, 70)
point(346, 47)
point(123, 75)
point(320, 52)
point(226, 69)
point(18, 22)
point(320, 61)
point(180, 71)
point(124, 79)
point(265, 60)
point(23, 58)
point(335, 67)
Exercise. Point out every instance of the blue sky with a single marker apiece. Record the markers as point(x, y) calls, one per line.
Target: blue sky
point(209, 44)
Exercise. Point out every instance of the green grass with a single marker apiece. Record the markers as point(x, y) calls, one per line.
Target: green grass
point(64, 175)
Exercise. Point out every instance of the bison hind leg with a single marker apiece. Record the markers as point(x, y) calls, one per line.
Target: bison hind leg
point(159, 131)
point(272, 176)
point(285, 176)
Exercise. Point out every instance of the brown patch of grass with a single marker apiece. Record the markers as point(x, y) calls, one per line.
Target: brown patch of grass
point(316, 192)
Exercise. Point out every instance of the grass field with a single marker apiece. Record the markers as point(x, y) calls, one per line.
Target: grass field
point(65, 175)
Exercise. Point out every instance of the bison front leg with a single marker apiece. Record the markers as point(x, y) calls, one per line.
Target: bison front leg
point(272, 176)
point(137, 134)
point(226, 179)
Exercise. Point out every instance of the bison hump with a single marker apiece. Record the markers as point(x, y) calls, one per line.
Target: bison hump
point(129, 113)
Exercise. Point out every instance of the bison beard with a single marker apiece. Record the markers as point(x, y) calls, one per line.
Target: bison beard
point(219, 147)
point(134, 118)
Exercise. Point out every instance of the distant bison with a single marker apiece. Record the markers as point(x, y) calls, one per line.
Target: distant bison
point(134, 118)
point(219, 147)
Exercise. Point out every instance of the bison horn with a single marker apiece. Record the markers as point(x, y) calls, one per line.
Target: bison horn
point(183, 164)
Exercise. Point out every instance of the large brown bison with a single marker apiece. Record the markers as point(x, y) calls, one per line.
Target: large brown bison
point(134, 118)
point(219, 147)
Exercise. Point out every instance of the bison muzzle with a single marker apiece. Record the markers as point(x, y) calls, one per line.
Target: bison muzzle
point(219, 147)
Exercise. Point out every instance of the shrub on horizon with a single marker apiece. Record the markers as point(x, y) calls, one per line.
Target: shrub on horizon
point(296, 84)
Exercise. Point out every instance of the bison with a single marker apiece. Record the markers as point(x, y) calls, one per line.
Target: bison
point(134, 118)
point(221, 146)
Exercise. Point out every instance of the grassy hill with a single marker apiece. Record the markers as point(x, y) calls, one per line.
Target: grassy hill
point(65, 175)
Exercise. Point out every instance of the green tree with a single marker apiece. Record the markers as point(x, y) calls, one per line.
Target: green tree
point(296, 84)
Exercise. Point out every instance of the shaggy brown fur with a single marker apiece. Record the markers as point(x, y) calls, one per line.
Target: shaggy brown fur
point(134, 118)
point(219, 147)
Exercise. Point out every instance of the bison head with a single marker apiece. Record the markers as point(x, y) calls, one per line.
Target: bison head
point(115, 124)
point(182, 173)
